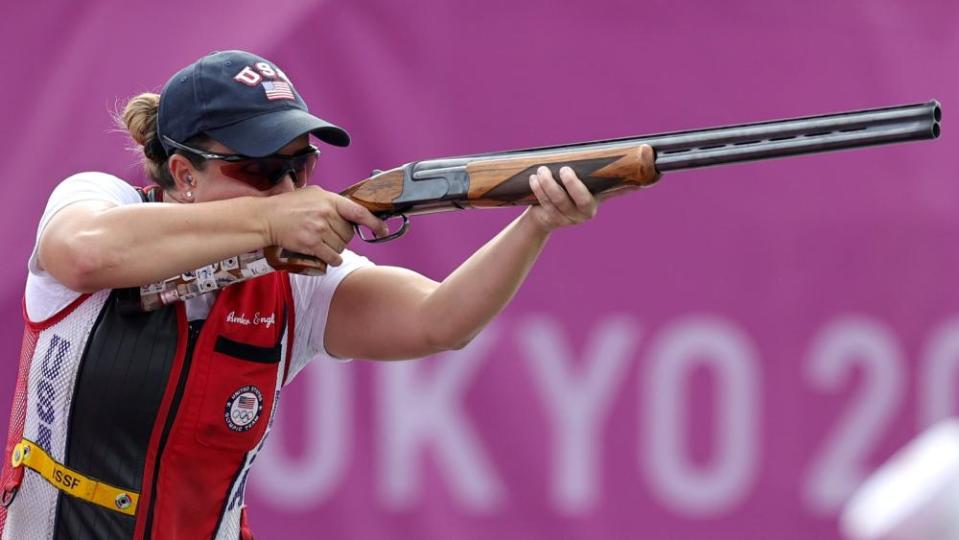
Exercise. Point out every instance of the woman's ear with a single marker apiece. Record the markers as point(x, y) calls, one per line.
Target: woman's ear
point(183, 173)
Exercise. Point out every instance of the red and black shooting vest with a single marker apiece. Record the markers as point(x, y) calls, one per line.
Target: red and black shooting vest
point(167, 415)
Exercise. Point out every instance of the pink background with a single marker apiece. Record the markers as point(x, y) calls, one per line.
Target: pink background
point(739, 346)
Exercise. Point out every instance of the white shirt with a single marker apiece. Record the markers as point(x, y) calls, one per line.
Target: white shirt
point(45, 296)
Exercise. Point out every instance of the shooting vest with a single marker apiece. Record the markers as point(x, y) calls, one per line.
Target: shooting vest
point(143, 425)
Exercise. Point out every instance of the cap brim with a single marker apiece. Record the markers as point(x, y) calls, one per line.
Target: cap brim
point(267, 133)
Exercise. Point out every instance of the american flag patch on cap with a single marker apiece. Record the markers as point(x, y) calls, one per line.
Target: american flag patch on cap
point(278, 90)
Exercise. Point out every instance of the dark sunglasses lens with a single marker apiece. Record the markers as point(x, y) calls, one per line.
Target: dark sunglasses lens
point(249, 172)
point(264, 173)
point(299, 167)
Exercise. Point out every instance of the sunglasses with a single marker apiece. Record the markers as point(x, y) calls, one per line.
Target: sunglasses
point(261, 173)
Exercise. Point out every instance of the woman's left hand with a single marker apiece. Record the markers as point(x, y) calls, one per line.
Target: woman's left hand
point(561, 202)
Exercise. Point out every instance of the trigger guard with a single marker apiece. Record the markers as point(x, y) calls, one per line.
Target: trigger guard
point(392, 236)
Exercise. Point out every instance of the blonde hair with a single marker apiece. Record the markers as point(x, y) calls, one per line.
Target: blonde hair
point(139, 118)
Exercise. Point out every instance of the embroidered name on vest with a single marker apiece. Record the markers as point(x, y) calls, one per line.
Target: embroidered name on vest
point(266, 321)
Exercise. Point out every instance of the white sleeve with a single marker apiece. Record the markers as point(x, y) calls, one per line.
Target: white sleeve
point(44, 295)
point(311, 297)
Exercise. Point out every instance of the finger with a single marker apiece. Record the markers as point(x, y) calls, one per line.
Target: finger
point(535, 183)
point(327, 211)
point(335, 242)
point(342, 228)
point(355, 213)
point(556, 194)
point(576, 188)
point(326, 254)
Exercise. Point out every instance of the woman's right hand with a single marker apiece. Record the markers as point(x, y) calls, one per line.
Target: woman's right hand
point(316, 222)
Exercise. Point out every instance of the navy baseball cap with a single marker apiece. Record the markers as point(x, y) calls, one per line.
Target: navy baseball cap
point(241, 100)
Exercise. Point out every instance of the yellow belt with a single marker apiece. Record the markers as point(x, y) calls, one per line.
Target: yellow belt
point(28, 454)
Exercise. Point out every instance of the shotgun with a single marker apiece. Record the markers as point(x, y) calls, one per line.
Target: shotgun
point(502, 178)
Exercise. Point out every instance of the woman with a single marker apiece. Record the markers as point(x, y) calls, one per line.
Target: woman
point(145, 425)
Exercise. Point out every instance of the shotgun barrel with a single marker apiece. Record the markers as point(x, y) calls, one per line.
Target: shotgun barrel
point(747, 142)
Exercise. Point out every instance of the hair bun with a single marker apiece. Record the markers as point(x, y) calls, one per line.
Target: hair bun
point(140, 117)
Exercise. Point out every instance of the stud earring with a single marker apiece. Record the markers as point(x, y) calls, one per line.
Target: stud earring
point(189, 194)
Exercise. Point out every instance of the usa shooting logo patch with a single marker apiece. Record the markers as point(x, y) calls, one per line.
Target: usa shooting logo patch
point(243, 408)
